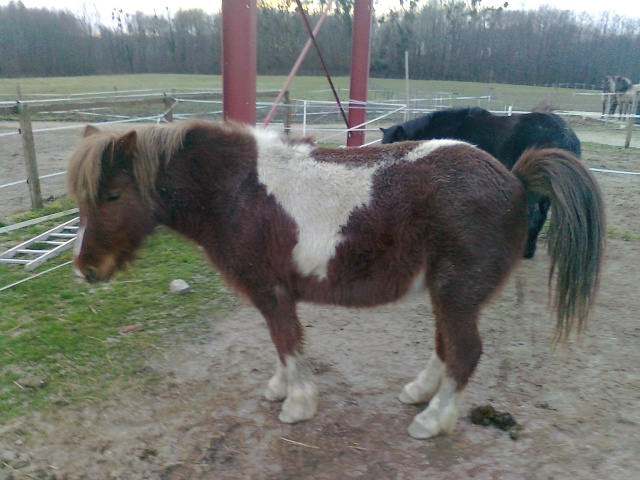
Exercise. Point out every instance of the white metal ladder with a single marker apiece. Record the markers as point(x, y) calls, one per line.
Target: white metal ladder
point(41, 248)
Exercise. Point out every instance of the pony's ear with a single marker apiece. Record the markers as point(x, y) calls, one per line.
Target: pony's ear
point(400, 135)
point(388, 135)
point(89, 130)
point(124, 149)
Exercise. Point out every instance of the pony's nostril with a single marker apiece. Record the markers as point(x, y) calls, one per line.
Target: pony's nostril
point(91, 274)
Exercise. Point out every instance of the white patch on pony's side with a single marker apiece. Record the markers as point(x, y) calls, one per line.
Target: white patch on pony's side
point(425, 148)
point(318, 196)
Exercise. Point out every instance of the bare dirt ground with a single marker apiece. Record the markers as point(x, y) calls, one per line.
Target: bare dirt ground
point(206, 418)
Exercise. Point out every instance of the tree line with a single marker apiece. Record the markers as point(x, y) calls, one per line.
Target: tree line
point(445, 39)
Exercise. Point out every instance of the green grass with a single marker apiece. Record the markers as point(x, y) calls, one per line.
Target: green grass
point(309, 88)
point(15, 237)
point(59, 336)
point(422, 94)
point(623, 235)
point(58, 205)
point(104, 83)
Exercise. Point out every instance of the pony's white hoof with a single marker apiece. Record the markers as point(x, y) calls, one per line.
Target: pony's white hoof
point(426, 385)
point(433, 422)
point(301, 404)
point(421, 432)
point(411, 394)
point(276, 389)
point(418, 392)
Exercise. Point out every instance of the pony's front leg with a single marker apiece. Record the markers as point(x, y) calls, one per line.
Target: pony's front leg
point(302, 394)
point(278, 385)
point(293, 379)
point(293, 383)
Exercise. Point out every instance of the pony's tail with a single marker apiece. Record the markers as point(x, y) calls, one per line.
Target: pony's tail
point(577, 231)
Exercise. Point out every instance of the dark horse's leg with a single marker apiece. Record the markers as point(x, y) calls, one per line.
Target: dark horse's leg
point(293, 381)
point(537, 208)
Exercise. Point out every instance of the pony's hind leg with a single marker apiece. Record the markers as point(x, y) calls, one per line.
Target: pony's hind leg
point(462, 347)
point(293, 380)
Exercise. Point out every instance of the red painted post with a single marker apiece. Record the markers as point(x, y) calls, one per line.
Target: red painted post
point(239, 60)
point(360, 52)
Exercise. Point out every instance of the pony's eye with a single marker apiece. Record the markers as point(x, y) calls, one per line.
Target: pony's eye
point(112, 197)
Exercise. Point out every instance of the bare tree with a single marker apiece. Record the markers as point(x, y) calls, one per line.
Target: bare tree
point(446, 39)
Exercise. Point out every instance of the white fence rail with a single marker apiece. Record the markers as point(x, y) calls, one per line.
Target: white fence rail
point(320, 119)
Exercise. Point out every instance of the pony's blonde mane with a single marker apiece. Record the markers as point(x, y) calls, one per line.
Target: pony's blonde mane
point(154, 144)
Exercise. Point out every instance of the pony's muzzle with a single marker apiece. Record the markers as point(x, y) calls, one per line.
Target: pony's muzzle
point(92, 274)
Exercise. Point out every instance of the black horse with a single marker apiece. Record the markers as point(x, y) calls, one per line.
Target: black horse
point(504, 137)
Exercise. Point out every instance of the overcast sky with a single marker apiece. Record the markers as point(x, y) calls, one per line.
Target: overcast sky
point(627, 8)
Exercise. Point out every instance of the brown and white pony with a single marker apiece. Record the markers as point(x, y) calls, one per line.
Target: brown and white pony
point(284, 222)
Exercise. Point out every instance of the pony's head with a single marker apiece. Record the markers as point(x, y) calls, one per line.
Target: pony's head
point(608, 84)
point(393, 134)
point(622, 83)
point(115, 213)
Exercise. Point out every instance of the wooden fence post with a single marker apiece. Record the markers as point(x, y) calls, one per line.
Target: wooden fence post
point(631, 119)
point(287, 115)
point(29, 149)
point(168, 104)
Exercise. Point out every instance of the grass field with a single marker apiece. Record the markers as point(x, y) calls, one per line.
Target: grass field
point(61, 340)
point(520, 97)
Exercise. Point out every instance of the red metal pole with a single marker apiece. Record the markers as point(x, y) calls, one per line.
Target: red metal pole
point(239, 60)
point(360, 52)
point(296, 65)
